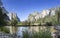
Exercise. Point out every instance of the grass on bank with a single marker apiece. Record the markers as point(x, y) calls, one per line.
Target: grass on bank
point(4, 29)
point(40, 34)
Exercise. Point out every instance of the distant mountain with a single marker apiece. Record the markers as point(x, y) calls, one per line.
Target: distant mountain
point(13, 16)
point(37, 15)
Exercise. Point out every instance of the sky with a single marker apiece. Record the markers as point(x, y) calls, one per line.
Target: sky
point(25, 7)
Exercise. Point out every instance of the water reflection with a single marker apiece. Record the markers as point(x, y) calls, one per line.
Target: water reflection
point(20, 29)
point(32, 29)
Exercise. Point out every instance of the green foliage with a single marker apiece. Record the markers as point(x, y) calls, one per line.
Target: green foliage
point(50, 19)
point(14, 21)
point(4, 29)
point(58, 15)
point(2, 18)
point(40, 34)
point(25, 34)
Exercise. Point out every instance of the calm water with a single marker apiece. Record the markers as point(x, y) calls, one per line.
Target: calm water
point(30, 29)
point(20, 29)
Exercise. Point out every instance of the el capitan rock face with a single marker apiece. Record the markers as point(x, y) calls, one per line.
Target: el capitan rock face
point(8, 15)
point(13, 16)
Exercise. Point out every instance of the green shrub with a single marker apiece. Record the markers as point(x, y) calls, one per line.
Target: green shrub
point(4, 29)
point(40, 34)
